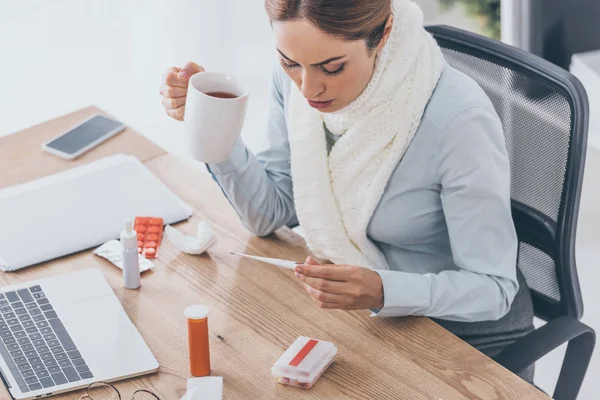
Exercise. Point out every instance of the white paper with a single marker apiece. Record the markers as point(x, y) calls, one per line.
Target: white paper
point(79, 209)
point(206, 388)
point(205, 237)
point(113, 252)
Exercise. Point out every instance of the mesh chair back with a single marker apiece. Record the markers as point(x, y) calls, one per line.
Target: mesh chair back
point(544, 112)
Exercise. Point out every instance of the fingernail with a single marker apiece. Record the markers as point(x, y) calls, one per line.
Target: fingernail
point(299, 269)
point(184, 74)
point(297, 274)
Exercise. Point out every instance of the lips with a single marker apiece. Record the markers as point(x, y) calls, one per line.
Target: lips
point(320, 104)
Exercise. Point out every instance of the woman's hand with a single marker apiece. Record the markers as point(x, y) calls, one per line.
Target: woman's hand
point(343, 287)
point(174, 88)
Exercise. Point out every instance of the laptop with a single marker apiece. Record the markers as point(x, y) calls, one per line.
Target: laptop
point(62, 333)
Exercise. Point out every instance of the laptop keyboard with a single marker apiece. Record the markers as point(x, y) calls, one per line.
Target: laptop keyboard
point(35, 344)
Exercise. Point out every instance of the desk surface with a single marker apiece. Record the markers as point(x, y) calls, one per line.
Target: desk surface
point(257, 311)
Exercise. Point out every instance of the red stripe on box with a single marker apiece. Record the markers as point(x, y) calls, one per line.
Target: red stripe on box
point(303, 352)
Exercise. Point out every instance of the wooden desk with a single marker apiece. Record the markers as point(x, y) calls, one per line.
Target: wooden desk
point(257, 311)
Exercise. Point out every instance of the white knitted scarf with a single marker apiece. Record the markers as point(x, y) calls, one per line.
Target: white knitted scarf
point(336, 194)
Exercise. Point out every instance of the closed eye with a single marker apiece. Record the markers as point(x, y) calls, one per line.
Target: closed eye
point(335, 72)
point(289, 66)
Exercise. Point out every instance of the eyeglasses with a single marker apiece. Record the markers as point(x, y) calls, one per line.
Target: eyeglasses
point(106, 391)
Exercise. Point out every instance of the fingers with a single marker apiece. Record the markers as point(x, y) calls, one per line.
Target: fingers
point(188, 70)
point(176, 113)
point(311, 261)
point(172, 79)
point(173, 91)
point(328, 306)
point(179, 77)
point(323, 285)
point(170, 103)
point(324, 300)
point(323, 296)
point(172, 70)
point(328, 272)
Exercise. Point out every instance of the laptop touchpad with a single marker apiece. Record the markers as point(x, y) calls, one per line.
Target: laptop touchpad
point(107, 338)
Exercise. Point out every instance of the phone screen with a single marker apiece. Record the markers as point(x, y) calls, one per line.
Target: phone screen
point(84, 134)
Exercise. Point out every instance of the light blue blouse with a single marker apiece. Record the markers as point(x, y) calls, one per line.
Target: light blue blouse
point(444, 221)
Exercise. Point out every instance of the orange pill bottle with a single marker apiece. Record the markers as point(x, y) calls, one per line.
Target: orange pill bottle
point(197, 321)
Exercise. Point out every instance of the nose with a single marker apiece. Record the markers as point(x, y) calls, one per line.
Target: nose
point(311, 86)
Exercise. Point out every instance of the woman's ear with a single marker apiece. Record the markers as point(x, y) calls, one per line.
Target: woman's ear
point(386, 32)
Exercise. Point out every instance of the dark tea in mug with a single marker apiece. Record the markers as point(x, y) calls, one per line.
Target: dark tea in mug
point(222, 95)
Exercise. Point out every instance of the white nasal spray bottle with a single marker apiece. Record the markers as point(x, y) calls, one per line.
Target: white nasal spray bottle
point(131, 263)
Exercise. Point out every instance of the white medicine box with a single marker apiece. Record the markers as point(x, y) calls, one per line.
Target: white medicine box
point(304, 362)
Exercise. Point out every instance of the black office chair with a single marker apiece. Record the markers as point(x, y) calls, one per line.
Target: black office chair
point(544, 111)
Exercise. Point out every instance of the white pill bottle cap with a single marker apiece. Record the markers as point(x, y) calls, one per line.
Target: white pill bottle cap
point(197, 311)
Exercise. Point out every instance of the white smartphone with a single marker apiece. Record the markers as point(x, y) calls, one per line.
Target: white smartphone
point(83, 137)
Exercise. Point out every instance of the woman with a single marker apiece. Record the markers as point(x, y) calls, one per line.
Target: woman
point(393, 163)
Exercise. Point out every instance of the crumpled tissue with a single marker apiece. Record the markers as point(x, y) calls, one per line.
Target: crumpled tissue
point(205, 238)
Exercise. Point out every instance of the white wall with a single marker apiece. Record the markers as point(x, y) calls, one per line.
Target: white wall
point(61, 55)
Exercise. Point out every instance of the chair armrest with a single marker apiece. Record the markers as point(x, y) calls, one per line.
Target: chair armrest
point(527, 350)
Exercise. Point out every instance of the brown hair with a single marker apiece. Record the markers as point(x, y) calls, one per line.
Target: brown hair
point(346, 19)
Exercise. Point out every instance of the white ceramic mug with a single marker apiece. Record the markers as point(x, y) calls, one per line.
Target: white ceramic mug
point(213, 124)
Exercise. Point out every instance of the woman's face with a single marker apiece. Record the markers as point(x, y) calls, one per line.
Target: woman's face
point(330, 72)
